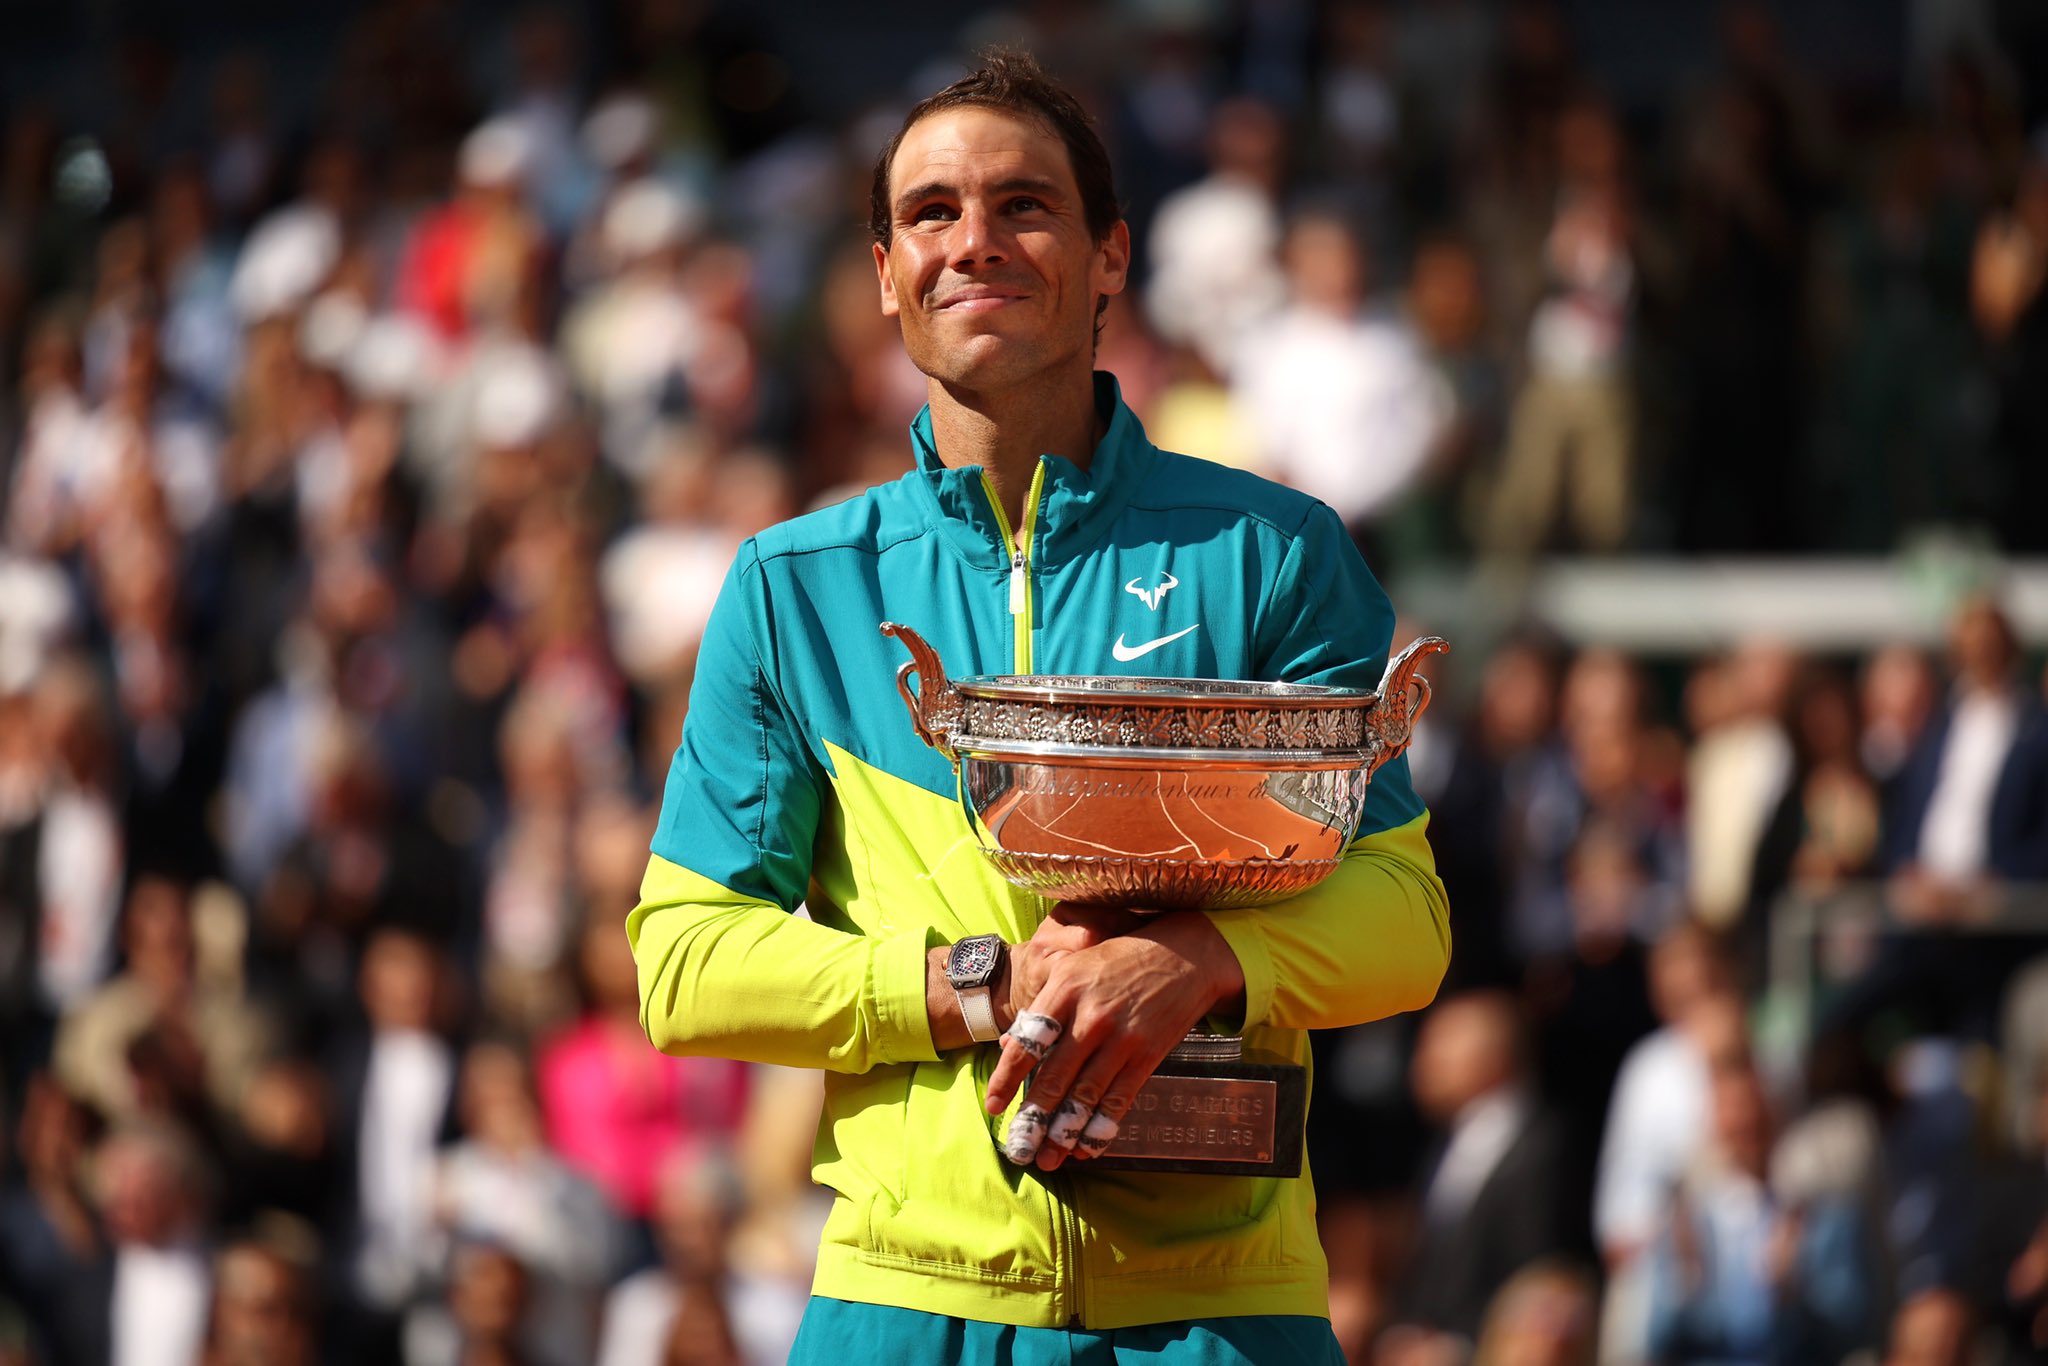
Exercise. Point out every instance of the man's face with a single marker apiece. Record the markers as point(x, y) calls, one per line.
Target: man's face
point(990, 266)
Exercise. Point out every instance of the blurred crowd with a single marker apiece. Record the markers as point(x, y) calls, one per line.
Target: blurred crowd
point(373, 443)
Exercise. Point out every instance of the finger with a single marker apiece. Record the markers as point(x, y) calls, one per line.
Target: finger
point(1096, 1137)
point(1067, 1123)
point(1025, 1044)
point(1027, 1133)
point(1035, 1033)
point(1077, 1106)
point(1107, 1102)
point(1090, 1061)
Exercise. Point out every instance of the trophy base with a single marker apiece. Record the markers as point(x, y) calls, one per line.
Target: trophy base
point(1214, 1116)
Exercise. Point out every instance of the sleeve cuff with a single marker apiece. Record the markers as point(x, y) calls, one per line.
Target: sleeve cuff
point(896, 980)
point(1240, 929)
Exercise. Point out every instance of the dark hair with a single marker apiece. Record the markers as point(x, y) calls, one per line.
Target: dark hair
point(1012, 81)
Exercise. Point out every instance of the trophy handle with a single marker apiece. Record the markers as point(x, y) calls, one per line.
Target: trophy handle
point(934, 704)
point(1403, 697)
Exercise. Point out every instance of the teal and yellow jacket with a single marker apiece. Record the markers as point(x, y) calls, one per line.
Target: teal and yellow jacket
point(799, 779)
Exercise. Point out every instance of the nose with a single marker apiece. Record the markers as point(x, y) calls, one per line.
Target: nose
point(978, 239)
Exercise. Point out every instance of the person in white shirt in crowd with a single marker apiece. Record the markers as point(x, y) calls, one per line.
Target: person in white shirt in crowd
point(152, 1189)
point(1343, 398)
point(1215, 244)
point(697, 1209)
point(404, 1078)
point(78, 859)
point(503, 1187)
point(1747, 1271)
point(1972, 803)
point(1738, 771)
point(633, 339)
point(1657, 1117)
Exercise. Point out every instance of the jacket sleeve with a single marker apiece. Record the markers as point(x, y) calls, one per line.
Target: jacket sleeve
point(726, 969)
point(1372, 939)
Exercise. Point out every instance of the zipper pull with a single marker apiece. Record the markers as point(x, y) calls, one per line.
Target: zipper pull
point(1017, 584)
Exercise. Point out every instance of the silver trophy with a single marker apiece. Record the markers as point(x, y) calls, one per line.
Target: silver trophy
point(1171, 794)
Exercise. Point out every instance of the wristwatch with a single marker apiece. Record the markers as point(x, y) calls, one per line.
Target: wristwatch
point(972, 968)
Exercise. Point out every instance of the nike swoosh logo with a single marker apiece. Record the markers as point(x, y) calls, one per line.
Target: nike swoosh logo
point(1127, 653)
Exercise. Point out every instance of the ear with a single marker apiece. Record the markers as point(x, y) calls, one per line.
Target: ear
point(1113, 260)
point(888, 285)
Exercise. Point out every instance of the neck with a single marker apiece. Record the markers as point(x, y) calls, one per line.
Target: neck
point(1006, 432)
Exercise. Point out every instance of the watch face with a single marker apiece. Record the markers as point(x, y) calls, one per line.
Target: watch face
point(973, 960)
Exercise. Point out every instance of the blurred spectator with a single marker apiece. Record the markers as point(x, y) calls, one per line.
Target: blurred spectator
point(488, 1303)
point(1742, 1274)
point(1739, 770)
point(1214, 251)
point(1571, 434)
point(501, 1186)
point(395, 1085)
point(262, 1311)
point(1655, 1124)
point(152, 1189)
point(1933, 1328)
point(55, 1254)
point(616, 1110)
point(67, 840)
point(466, 265)
point(660, 579)
point(1589, 1006)
point(161, 1039)
point(1544, 1316)
point(1342, 401)
point(1659, 1104)
point(1898, 697)
point(695, 1293)
point(634, 341)
point(1825, 830)
point(1972, 803)
point(2010, 305)
point(1447, 300)
point(1495, 1199)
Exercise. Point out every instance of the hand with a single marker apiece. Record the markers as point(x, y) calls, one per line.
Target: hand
point(1066, 929)
point(1121, 1004)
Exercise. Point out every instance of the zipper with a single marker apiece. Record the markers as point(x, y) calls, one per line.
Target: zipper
point(1076, 1297)
point(1018, 545)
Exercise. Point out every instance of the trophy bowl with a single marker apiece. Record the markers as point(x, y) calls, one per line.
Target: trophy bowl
point(1162, 793)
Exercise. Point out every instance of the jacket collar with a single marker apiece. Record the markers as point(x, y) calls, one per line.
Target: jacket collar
point(1076, 506)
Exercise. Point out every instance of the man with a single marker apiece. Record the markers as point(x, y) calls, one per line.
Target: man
point(1040, 532)
point(1497, 1197)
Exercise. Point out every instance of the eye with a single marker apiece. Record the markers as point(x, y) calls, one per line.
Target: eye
point(1025, 204)
point(933, 213)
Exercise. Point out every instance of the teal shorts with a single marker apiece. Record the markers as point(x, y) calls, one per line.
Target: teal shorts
point(842, 1333)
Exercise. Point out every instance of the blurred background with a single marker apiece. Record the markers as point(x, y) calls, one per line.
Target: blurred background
point(384, 388)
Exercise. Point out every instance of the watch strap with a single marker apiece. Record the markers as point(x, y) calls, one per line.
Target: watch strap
point(977, 1007)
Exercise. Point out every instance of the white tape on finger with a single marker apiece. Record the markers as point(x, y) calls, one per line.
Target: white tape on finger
point(1098, 1134)
point(1035, 1034)
point(1027, 1133)
point(1068, 1124)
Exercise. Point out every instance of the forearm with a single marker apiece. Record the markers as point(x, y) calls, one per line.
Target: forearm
point(725, 976)
point(1369, 941)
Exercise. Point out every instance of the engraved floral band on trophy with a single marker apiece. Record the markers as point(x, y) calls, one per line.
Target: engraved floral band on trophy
point(1168, 794)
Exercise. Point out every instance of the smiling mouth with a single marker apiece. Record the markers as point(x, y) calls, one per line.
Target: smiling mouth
point(979, 303)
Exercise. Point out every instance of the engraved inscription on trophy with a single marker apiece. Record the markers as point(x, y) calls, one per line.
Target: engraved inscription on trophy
point(1200, 1119)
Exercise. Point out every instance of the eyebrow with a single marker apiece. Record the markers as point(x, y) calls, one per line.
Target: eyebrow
point(938, 189)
